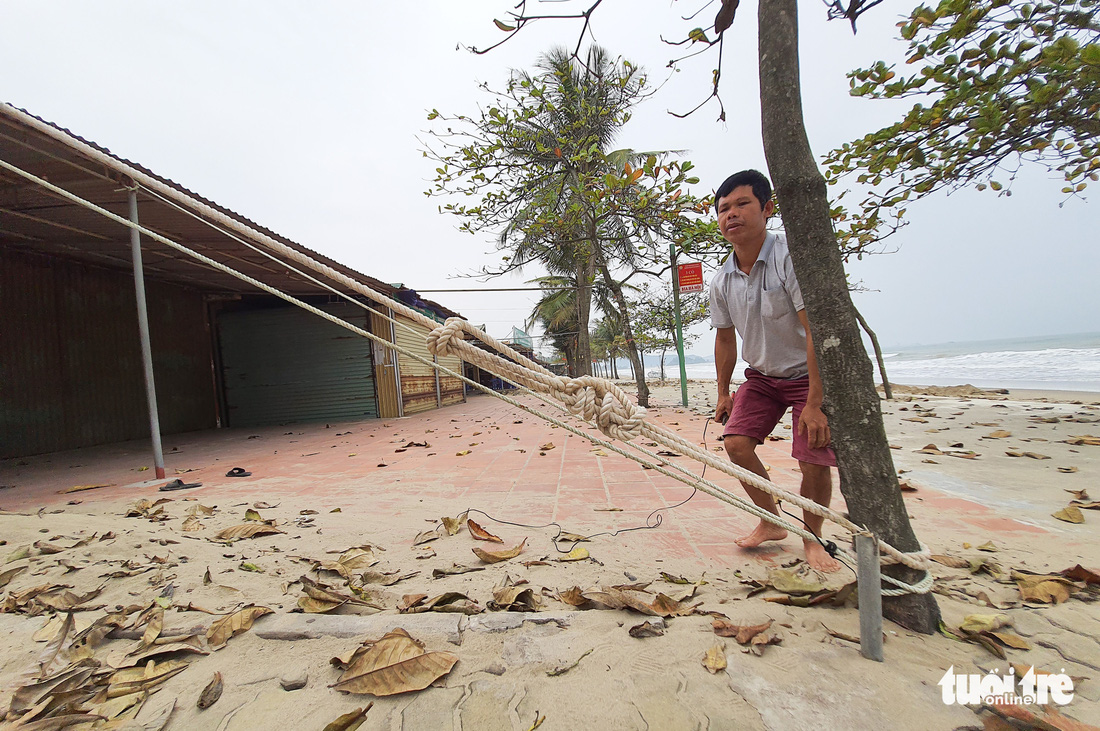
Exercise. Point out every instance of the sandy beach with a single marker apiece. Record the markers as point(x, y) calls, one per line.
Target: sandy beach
point(538, 639)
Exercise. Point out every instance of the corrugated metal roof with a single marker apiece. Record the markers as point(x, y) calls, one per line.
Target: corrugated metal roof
point(34, 219)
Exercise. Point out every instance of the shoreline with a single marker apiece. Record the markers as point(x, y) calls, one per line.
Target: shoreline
point(1052, 395)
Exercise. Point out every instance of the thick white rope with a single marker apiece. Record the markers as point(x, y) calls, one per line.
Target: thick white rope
point(615, 415)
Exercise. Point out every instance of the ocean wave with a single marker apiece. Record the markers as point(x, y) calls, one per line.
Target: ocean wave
point(1072, 369)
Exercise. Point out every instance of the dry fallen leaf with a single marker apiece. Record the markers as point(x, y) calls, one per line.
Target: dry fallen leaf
point(999, 434)
point(211, 693)
point(233, 624)
point(1042, 588)
point(1080, 573)
point(1068, 471)
point(82, 488)
point(132, 680)
point(715, 659)
point(480, 533)
point(988, 547)
point(455, 570)
point(1070, 514)
point(547, 447)
point(395, 664)
point(579, 553)
point(646, 629)
point(448, 602)
point(515, 599)
point(573, 597)
point(761, 641)
point(51, 659)
point(428, 535)
point(498, 556)
point(1009, 639)
point(382, 578)
point(246, 530)
point(453, 525)
point(7, 576)
point(350, 721)
point(976, 623)
point(800, 580)
point(841, 635)
point(742, 633)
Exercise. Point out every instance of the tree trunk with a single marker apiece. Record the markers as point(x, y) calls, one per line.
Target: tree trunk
point(585, 275)
point(663, 353)
point(878, 353)
point(867, 477)
point(628, 333)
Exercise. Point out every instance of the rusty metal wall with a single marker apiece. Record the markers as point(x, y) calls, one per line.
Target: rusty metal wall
point(417, 379)
point(70, 360)
point(451, 389)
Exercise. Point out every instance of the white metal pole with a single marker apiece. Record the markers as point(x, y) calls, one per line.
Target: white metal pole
point(438, 393)
point(143, 331)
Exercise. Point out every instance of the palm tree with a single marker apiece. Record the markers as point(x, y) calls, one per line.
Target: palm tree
point(586, 105)
point(556, 312)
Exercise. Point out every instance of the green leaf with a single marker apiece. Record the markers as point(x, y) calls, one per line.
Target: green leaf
point(698, 35)
point(503, 26)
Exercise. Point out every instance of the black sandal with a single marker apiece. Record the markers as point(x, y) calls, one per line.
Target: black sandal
point(179, 485)
point(238, 472)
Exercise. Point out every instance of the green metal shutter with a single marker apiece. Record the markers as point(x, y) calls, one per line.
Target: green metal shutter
point(287, 364)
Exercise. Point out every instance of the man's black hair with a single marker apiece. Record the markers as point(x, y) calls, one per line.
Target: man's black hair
point(761, 188)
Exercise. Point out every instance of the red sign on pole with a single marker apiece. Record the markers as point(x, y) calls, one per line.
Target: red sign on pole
point(691, 277)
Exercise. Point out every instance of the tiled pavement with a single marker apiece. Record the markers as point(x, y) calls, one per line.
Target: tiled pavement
point(505, 474)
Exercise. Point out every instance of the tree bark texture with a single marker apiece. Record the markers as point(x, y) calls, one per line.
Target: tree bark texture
point(585, 272)
point(878, 354)
point(867, 477)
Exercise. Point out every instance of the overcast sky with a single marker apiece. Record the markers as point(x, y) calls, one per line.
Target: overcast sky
point(304, 118)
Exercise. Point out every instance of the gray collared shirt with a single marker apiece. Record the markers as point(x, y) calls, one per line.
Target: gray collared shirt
point(763, 307)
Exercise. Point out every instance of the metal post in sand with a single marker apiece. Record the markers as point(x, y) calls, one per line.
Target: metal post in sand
point(870, 596)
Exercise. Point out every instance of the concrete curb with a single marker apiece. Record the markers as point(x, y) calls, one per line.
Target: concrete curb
point(346, 626)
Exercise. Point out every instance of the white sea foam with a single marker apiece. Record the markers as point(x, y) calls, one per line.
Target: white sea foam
point(1051, 368)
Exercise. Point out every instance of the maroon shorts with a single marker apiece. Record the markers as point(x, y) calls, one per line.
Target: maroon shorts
point(760, 403)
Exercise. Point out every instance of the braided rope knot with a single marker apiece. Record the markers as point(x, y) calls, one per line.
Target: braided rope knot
point(440, 340)
point(593, 399)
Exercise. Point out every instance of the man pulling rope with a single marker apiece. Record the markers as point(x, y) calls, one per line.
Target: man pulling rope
point(757, 295)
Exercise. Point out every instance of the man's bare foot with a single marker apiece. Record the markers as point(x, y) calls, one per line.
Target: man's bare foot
point(765, 531)
point(819, 559)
